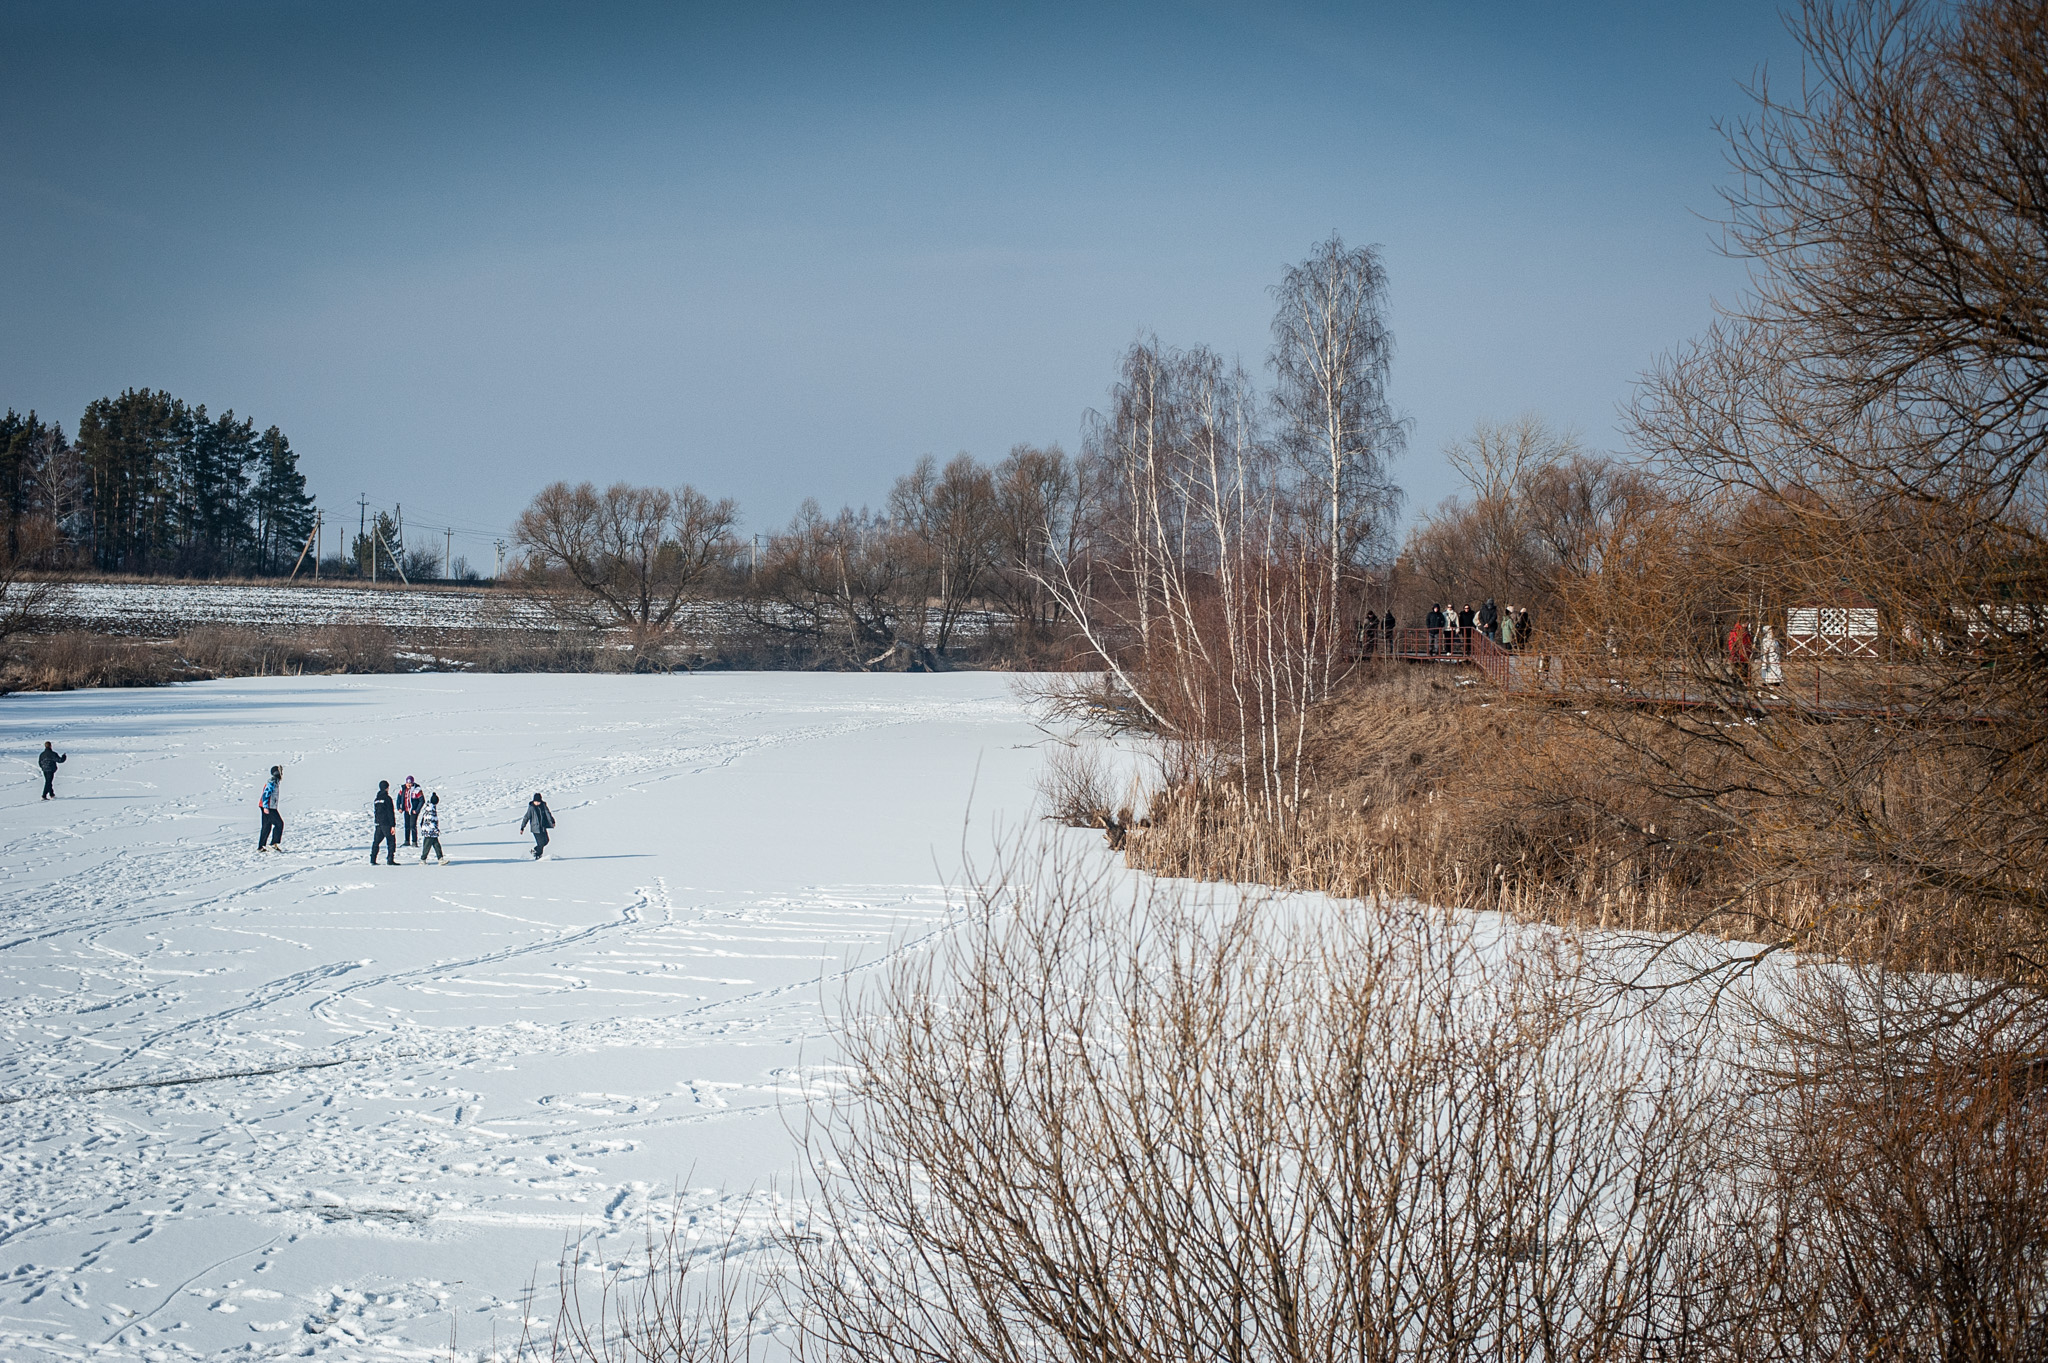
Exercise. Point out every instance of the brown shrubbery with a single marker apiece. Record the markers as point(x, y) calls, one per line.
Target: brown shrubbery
point(1104, 1119)
point(1432, 785)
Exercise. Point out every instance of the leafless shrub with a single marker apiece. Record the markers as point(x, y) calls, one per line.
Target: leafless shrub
point(1090, 1128)
point(1075, 785)
point(359, 647)
point(687, 1299)
point(229, 652)
point(27, 596)
point(1905, 1149)
point(72, 658)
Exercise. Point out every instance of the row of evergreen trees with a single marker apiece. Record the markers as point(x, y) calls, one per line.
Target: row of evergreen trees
point(151, 485)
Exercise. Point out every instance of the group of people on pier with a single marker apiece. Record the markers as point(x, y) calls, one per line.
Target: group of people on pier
point(1447, 630)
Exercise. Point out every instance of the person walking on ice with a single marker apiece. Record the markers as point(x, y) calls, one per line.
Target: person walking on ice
point(540, 819)
point(48, 759)
point(411, 798)
point(384, 826)
point(430, 829)
point(271, 835)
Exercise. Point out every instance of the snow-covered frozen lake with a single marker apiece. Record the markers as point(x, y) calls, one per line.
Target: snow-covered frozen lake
point(272, 1105)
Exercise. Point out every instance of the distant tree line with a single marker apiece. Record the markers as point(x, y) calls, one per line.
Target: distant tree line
point(1204, 546)
point(152, 485)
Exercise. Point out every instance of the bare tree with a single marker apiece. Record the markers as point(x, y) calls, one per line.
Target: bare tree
point(1331, 352)
point(1497, 462)
point(948, 521)
point(628, 557)
point(852, 585)
point(1039, 494)
point(1535, 511)
point(1200, 583)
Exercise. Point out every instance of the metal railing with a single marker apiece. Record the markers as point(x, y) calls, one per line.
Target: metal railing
point(1468, 645)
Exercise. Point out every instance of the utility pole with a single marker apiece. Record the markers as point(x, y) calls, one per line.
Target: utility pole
point(499, 571)
point(305, 549)
point(447, 548)
point(363, 515)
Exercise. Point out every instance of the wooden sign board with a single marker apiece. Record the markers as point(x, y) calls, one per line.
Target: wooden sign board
point(1831, 632)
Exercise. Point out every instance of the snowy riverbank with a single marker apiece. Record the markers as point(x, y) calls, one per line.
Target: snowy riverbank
point(415, 1084)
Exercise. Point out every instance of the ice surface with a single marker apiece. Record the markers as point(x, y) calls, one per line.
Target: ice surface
point(277, 1105)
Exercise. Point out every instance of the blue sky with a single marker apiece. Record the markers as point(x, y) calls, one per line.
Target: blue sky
point(457, 251)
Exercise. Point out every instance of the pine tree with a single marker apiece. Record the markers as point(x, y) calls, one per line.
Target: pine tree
point(164, 487)
point(129, 446)
point(210, 527)
point(282, 511)
point(28, 446)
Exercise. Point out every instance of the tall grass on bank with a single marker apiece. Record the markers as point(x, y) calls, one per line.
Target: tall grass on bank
point(74, 659)
point(1458, 795)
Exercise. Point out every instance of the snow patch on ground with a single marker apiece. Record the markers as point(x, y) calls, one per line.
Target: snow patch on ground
point(288, 1105)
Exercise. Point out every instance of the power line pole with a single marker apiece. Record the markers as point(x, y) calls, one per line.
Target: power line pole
point(447, 548)
point(499, 571)
point(362, 529)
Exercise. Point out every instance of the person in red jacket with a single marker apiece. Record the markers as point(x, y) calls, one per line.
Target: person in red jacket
point(412, 797)
point(1738, 647)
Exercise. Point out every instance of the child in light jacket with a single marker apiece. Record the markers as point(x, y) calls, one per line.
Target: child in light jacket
point(430, 829)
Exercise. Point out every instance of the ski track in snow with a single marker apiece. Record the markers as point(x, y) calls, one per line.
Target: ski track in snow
point(294, 1105)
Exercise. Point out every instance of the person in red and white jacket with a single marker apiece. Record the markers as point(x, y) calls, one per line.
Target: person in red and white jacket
point(412, 797)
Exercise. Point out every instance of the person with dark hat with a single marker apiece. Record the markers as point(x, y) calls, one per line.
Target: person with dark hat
point(48, 759)
point(540, 819)
point(271, 835)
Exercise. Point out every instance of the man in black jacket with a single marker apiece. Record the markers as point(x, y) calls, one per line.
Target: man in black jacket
point(385, 818)
point(48, 760)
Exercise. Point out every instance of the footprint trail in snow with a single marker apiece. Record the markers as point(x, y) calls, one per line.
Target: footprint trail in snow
point(280, 1105)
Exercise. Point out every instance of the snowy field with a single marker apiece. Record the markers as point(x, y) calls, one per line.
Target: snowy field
point(271, 1106)
point(158, 609)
